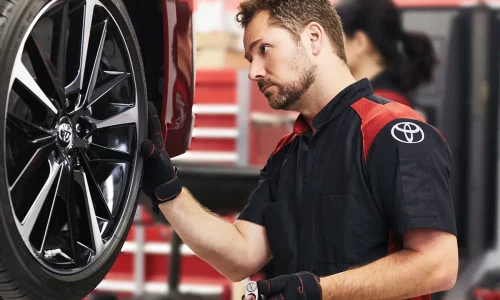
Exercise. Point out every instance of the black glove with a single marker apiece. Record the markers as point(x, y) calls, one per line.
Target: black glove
point(159, 182)
point(300, 286)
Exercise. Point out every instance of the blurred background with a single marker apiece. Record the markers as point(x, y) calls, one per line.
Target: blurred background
point(235, 131)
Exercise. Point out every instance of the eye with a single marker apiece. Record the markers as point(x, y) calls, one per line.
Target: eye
point(264, 48)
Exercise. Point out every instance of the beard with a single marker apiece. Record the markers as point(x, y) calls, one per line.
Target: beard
point(290, 93)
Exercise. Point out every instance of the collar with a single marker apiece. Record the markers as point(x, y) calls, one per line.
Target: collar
point(341, 101)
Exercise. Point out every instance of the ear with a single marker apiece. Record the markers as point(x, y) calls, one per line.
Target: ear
point(316, 36)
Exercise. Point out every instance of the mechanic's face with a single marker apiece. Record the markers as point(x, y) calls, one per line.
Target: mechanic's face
point(280, 65)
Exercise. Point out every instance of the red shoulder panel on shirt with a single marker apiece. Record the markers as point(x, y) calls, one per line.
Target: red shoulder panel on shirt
point(392, 95)
point(300, 126)
point(287, 139)
point(375, 116)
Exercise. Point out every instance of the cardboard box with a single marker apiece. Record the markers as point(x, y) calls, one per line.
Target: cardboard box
point(218, 39)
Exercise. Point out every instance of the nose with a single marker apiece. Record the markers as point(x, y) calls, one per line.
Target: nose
point(256, 71)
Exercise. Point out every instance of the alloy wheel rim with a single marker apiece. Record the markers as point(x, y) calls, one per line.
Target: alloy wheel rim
point(73, 103)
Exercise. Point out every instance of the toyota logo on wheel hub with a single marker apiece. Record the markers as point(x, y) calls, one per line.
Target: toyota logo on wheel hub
point(65, 133)
point(407, 132)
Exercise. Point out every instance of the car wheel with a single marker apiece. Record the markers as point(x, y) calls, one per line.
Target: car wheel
point(73, 107)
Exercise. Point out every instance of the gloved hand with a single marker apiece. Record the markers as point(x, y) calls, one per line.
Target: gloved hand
point(300, 286)
point(159, 182)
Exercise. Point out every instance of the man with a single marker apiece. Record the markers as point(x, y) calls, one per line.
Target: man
point(353, 204)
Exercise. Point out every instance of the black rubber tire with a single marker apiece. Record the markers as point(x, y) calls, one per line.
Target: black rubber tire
point(21, 276)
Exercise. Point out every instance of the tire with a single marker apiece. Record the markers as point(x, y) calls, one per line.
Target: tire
point(73, 199)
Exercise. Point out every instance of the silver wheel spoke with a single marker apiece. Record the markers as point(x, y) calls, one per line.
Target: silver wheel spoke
point(32, 216)
point(109, 154)
point(51, 210)
point(23, 75)
point(127, 116)
point(62, 43)
point(96, 233)
point(26, 128)
point(108, 86)
point(95, 70)
point(77, 84)
point(100, 203)
point(41, 141)
point(32, 164)
point(67, 193)
point(45, 71)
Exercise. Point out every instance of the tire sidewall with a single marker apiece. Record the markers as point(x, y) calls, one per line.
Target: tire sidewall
point(14, 255)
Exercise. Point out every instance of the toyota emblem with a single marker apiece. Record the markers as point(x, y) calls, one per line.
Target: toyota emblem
point(407, 132)
point(65, 132)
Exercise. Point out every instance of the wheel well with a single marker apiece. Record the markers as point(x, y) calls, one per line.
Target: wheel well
point(147, 19)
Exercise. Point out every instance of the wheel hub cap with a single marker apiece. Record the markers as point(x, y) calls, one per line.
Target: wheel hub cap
point(65, 133)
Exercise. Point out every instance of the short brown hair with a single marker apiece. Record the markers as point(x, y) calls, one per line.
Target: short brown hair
point(293, 15)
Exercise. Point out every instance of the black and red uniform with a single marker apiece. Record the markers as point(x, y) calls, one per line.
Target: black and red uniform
point(343, 197)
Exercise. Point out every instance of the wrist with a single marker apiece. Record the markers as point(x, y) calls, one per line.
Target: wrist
point(165, 193)
point(176, 199)
point(325, 287)
point(322, 289)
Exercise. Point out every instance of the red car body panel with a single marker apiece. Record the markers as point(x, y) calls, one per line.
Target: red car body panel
point(179, 76)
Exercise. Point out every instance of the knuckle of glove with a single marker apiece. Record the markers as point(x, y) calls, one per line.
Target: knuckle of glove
point(160, 168)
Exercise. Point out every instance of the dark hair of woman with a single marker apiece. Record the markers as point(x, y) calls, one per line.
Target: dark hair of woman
point(407, 56)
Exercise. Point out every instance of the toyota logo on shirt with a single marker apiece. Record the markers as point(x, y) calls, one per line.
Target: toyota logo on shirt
point(407, 132)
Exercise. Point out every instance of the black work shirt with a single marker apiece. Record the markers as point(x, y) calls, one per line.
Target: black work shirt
point(343, 197)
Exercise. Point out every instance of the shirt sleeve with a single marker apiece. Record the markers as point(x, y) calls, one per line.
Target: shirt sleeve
point(409, 166)
point(260, 196)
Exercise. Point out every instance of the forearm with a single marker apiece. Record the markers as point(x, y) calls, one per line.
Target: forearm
point(211, 238)
point(402, 275)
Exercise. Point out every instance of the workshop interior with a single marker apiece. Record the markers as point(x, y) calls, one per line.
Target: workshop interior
point(75, 78)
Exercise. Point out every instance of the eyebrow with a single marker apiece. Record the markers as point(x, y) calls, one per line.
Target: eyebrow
point(251, 47)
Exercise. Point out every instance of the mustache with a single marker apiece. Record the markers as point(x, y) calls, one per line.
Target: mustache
point(265, 82)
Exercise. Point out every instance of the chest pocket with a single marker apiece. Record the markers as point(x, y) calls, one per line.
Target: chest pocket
point(341, 229)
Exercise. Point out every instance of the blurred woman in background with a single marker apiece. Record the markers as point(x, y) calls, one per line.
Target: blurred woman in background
point(396, 62)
